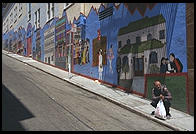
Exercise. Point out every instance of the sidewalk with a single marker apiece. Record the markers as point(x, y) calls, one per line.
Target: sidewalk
point(179, 121)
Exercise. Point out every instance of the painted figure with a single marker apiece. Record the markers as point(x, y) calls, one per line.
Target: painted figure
point(175, 63)
point(100, 65)
point(110, 58)
point(169, 68)
point(163, 66)
point(99, 34)
point(87, 55)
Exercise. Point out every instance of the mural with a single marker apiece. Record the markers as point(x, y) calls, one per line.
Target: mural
point(127, 47)
point(49, 43)
point(29, 40)
point(38, 46)
point(21, 41)
point(99, 43)
point(140, 46)
point(60, 47)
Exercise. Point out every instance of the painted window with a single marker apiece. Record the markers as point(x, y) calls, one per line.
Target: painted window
point(162, 34)
point(119, 44)
point(15, 16)
point(153, 57)
point(50, 11)
point(20, 9)
point(128, 41)
point(149, 36)
point(138, 39)
point(48, 60)
point(29, 12)
point(37, 19)
point(11, 19)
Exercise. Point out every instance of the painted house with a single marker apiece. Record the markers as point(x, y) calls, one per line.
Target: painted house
point(60, 44)
point(38, 45)
point(21, 41)
point(14, 42)
point(141, 45)
point(49, 45)
point(29, 40)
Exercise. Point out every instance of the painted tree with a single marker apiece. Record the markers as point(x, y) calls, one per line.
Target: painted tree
point(125, 65)
point(118, 68)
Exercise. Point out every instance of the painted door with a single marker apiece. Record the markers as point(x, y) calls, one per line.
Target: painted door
point(139, 66)
point(29, 45)
point(49, 60)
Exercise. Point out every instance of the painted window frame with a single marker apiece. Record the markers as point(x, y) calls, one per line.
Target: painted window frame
point(153, 58)
point(128, 42)
point(15, 14)
point(20, 10)
point(37, 18)
point(138, 39)
point(162, 34)
point(149, 37)
point(29, 12)
point(11, 19)
point(50, 11)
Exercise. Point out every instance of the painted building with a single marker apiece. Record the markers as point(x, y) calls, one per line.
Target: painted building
point(142, 42)
point(60, 47)
point(49, 45)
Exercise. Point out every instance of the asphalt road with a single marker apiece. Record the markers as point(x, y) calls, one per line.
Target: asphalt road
point(34, 100)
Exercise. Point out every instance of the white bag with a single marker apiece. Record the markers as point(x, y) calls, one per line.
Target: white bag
point(160, 110)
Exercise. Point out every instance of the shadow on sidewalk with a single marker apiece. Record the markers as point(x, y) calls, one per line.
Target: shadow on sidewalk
point(13, 111)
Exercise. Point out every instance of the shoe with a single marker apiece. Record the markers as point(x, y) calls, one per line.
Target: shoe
point(152, 113)
point(168, 116)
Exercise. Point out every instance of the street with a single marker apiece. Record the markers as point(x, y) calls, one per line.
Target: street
point(33, 100)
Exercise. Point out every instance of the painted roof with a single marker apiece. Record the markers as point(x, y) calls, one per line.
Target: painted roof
point(141, 47)
point(141, 24)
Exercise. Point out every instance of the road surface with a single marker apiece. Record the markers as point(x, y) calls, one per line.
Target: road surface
point(35, 100)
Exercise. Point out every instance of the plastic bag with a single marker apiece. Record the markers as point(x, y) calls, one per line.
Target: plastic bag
point(160, 110)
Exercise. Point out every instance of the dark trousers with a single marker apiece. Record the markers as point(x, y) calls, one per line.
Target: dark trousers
point(166, 103)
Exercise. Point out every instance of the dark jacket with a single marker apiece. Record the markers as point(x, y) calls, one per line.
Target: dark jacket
point(173, 65)
point(164, 91)
point(163, 68)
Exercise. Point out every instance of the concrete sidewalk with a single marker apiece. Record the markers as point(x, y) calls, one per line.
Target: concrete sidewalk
point(179, 121)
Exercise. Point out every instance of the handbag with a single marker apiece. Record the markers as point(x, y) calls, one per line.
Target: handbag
point(160, 111)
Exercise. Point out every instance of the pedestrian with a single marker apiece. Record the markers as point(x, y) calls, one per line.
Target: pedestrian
point(161, 92)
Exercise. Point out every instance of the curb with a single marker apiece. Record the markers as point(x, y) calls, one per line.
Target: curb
point(106, 98)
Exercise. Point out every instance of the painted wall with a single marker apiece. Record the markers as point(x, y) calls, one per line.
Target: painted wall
point(98, 40)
